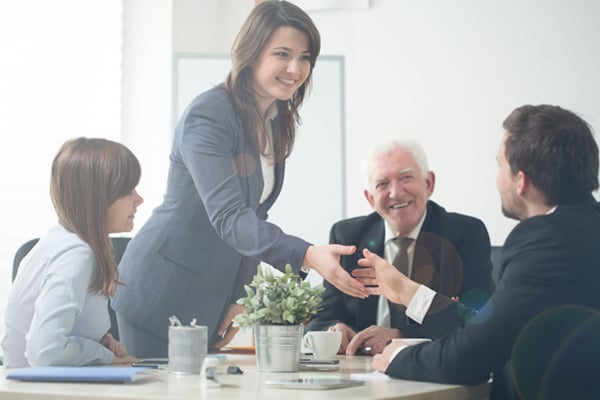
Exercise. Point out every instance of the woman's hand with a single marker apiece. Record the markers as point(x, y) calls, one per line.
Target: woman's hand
point(118, 349)
point(113, 345)
point(227, 331)
point(326, 261)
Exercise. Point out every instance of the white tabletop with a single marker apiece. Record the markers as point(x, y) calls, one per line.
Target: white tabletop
point(249, 385)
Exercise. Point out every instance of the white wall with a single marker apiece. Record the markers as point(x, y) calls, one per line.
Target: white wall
point(448, 72)
point(445, 73)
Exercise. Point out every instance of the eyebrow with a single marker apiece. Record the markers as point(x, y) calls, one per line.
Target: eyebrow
point(289, 50)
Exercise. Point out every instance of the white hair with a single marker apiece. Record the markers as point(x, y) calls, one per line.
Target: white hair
point(386, 146)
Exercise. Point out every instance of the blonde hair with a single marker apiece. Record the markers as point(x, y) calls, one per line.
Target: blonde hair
point(88, 176)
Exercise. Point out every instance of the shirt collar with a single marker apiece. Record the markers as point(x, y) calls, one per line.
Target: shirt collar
point(389, 234)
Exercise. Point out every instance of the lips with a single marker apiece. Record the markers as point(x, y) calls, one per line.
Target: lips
point(288, 82)
point(399, 205)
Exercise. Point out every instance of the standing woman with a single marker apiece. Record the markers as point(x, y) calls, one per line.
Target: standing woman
point(57, 311)
point(198, 249)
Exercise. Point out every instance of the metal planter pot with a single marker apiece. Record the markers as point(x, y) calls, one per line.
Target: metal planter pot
point(278, 347)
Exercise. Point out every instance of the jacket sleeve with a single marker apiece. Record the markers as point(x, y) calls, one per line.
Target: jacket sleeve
point(333, 308)
point(534, 275)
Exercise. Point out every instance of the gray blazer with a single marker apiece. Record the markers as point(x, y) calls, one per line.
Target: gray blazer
point(203, 243)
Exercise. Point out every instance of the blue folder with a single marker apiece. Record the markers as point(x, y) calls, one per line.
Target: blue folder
point(81, 374)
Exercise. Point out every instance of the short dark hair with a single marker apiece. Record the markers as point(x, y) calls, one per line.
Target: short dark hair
point(555, 148)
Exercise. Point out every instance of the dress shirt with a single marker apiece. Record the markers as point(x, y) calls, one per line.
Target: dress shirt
point(390, 250)
point(51, 316)
point(266, 162)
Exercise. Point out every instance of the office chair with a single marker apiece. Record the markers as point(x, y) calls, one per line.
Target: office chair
point(119, 245)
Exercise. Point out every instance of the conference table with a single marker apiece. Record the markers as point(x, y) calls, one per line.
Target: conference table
point(248, 385)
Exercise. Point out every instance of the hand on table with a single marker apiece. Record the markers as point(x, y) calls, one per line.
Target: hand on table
point(113, 345)
point(347, 335)
point(118, 349)
point(375, 337)
point(382, 361)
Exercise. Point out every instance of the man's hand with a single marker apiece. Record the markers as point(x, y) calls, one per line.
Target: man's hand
point(326, 261)
point(375, 337)
point(227, 331)
point(382, 361)
point(391, 283)
point(347, 335)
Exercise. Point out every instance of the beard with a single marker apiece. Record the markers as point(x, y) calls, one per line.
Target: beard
point(510, 213)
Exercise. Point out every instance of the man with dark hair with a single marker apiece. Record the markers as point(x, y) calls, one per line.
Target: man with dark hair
point(539, 334)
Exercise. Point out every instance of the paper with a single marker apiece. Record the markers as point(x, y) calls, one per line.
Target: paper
point(81, 374)
point(370, 376)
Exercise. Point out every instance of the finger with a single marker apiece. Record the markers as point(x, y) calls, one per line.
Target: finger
point(356, 342)
point(344, 250)
point(352, 287)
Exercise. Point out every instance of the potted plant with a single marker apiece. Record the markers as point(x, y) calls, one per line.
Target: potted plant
point(276, 308)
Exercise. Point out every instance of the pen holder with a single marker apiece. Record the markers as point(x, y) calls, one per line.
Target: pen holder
point(187, 349)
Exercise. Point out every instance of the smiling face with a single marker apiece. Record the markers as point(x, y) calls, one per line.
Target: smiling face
point(398, 190)
point(121, 213)
point(282, 66)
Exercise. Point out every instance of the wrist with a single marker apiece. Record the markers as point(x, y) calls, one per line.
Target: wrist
point(409, 288)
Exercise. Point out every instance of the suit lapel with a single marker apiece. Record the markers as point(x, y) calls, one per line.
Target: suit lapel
point(373, 239)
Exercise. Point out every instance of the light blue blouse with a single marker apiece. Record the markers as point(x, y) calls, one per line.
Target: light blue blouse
point(51, 317)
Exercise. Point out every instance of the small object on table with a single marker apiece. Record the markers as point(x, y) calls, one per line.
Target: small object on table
point(234, 370)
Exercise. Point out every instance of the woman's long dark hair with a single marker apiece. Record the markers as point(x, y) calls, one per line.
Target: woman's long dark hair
point(252, 37)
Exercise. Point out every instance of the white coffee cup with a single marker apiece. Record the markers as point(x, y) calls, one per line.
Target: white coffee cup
point(323, 344)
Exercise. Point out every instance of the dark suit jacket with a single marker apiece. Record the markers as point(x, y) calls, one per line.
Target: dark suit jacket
point(452, 256)
point(540, 332)
point(203, 243)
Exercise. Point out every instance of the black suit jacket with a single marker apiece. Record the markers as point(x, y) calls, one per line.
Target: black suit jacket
point(540, 332)
point(452, 256)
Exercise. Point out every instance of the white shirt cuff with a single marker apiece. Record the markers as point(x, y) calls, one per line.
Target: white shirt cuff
point(396, 352)
point(420, 304)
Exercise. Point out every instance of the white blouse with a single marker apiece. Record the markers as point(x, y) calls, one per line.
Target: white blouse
point(51, 317)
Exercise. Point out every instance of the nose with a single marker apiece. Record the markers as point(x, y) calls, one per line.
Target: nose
point(139, 199)
point(396, 189)
point(293, 66)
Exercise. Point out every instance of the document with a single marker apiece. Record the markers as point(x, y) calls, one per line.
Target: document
point(81, 374)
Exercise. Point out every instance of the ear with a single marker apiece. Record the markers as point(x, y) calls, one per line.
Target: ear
point(369, 198)
point(430, 182)
point(522, 183)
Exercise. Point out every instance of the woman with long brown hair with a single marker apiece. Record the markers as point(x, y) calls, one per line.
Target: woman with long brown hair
point(194, 255)
point(57, 311)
